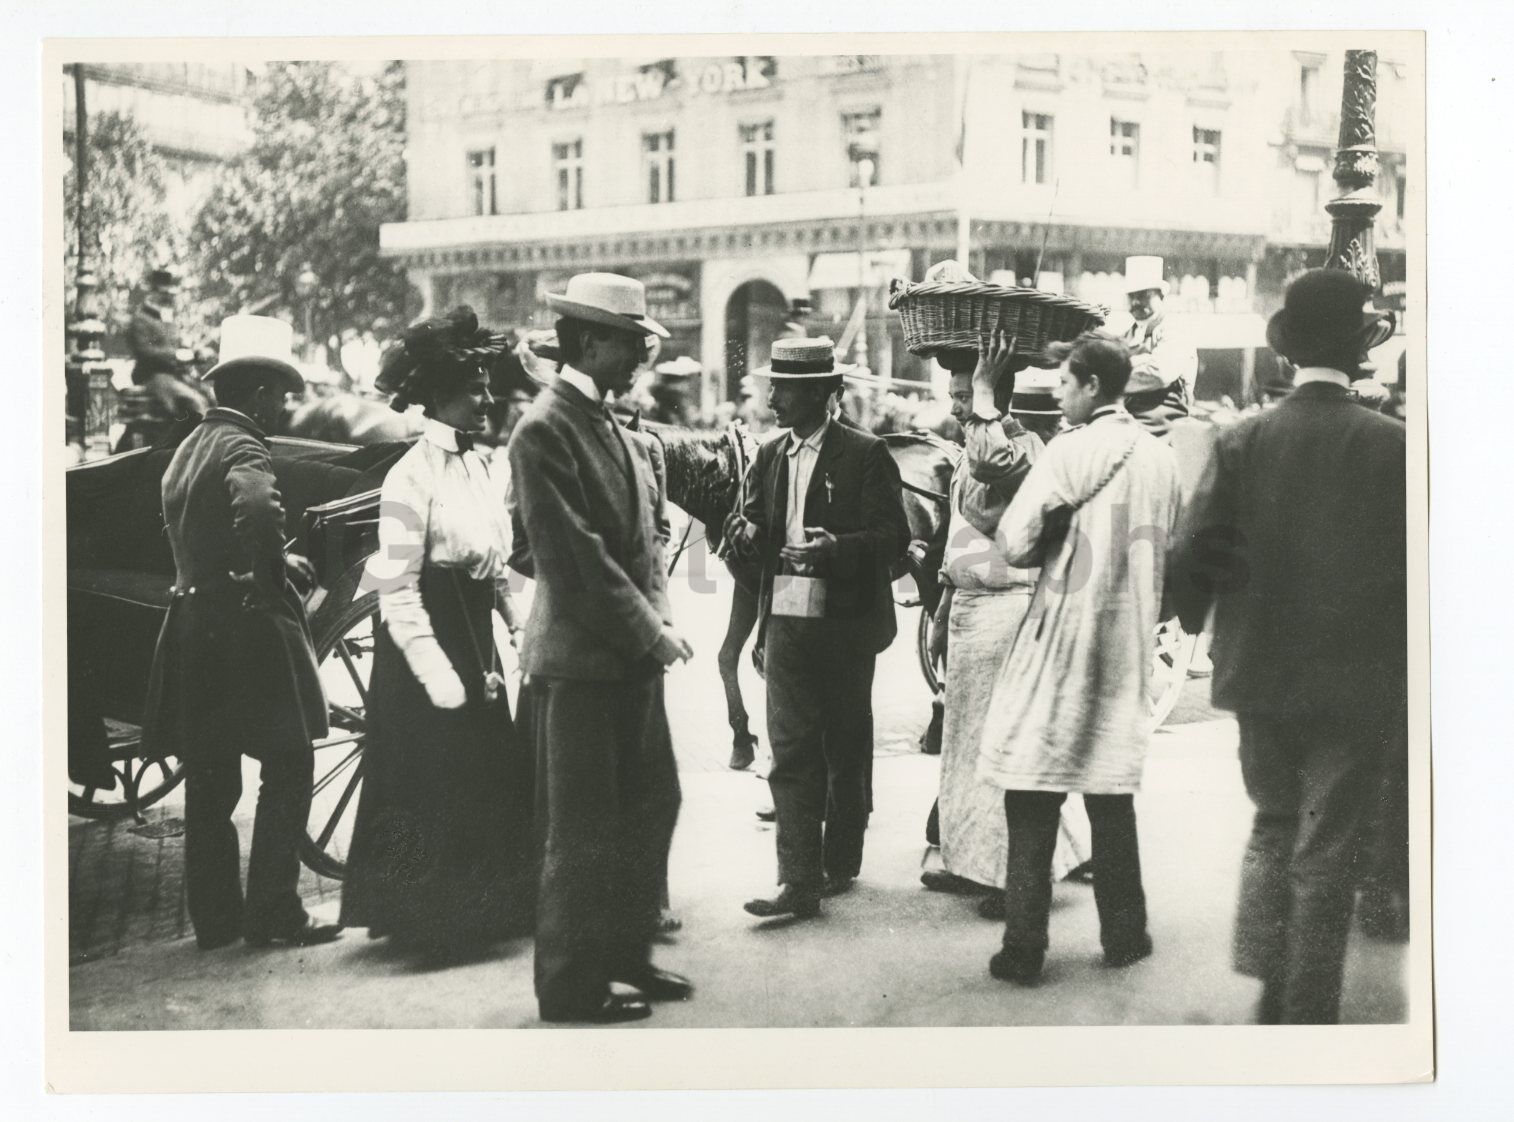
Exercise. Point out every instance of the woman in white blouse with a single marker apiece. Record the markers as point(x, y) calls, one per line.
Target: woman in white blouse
point(441, 857)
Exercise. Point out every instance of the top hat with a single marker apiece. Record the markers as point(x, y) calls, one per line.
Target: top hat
point(1143, 274)
point(803, 358)
point(609, 299)
point(257, 343)
point(1034, 394)
point(1324, 312)
point(165, 277)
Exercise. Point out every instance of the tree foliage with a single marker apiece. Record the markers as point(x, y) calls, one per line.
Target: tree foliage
point(128, 227)
point(325, 170)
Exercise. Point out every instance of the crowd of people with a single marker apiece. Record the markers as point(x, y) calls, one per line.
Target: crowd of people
point(1070, 537)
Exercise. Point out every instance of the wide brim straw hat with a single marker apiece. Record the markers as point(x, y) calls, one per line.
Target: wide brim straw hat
point(609, 299)
point(253, 343)
point(803, 359)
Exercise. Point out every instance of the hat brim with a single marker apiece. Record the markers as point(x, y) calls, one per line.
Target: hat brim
point(1040, 407)
point(1375, 330)
point(841, 369)
point(646, 325)
point(294, 381)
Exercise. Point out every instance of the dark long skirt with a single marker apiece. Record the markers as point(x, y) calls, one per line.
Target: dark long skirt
point(442, 853)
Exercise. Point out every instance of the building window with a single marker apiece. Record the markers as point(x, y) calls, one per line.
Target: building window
point(1400, 189)
point(757, 155)
point(484, 191)
point(657, 155)
point(1308, 91)
point(568, 164)
point(1125, 149)
point(862, 131)
point(1206, 156)
point(1035, 147)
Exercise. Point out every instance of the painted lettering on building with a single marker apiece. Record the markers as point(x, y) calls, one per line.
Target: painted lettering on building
point(661, 79)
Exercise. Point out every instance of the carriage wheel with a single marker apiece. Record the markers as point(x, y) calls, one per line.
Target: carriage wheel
point(139, 782)
point(1171, 658)
point(928, 666)
point(344, 650)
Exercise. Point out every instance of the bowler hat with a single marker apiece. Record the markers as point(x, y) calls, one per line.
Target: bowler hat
point(165, 277)
point(257, 343)
point(803, 358)
point(609, 299)
point(1325, 312)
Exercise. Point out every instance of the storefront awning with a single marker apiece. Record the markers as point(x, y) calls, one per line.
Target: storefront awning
point(1222, 331)
point(839, 270)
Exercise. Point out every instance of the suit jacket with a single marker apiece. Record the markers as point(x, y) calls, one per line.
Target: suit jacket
point(233, 672)
point(582, 491)
point(863, 507)
point(1296, 536)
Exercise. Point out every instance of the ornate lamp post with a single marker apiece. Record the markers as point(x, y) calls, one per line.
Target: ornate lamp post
point(1354, 214)
point(88, 391)
point(865, 169)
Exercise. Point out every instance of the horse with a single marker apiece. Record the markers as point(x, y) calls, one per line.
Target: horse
point(705, 471)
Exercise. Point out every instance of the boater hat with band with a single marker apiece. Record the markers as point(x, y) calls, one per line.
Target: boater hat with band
point(609, 299)
point(803, 358)
point(1034, 394)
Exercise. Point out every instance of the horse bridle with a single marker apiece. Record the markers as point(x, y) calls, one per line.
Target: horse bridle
point(732, 436)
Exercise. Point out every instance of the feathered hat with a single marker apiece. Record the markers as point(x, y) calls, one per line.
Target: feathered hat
point(433, 349)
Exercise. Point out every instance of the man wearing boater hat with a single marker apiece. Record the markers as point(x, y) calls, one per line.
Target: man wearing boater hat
point(598, 641)
point(1162, 364)
point(1295, 536)
point(825, 518)
point(235, 674)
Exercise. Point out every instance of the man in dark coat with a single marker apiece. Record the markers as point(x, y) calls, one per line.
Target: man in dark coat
point(235, 674)
point(162, 363)
point(1296, 536)
point(825, 518)
point(596, 646)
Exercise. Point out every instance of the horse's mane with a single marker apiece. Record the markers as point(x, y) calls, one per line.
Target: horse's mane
point(702, 474)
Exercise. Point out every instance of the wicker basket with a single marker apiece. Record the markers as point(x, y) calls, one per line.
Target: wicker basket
point(955, 315)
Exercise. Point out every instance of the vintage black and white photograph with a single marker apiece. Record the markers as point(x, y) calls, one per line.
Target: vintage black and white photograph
point(575, 535)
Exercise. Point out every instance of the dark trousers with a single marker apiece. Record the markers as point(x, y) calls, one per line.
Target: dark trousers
point(213, 866)
point(607, 800)
point(1121, 900)
point(820, 722)
point(1312, 779)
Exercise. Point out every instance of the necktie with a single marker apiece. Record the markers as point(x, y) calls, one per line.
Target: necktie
point(464, 442)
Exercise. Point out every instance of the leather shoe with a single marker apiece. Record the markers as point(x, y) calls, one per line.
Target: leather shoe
point(657, 985)
point(836, 885)
point(1021, 967)
point(767, 814)
point(1124, 954)
point(308, 934)
point(939, 880)
point(614, 1009)
point(792, 901)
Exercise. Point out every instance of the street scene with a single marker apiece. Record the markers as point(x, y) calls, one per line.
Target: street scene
point(784, 541)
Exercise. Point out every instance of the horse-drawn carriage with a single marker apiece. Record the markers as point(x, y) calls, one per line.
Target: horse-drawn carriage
point(120, 571)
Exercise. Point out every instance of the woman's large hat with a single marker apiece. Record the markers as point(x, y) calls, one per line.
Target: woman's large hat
point(1325, 311)
point(433, 348)
point(251, 343)
point(803, 358)
point(1143, 274)
point(607, 298)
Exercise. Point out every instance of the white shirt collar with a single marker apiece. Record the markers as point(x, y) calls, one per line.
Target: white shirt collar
point(443, 436)
point(813, 441)
point(582, 383)
point(1309, 374)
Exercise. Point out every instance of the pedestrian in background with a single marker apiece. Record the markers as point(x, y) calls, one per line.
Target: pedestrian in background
point(1296, 538)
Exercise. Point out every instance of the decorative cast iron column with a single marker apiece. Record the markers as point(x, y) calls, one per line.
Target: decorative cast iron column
point(1354, 214)
point(90, 397)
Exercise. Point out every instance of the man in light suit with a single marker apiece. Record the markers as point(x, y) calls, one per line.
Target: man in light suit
point(826, 521)
point(1296, 537)
point(598, 641)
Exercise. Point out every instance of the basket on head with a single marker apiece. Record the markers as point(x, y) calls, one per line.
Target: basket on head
point(943, 316)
